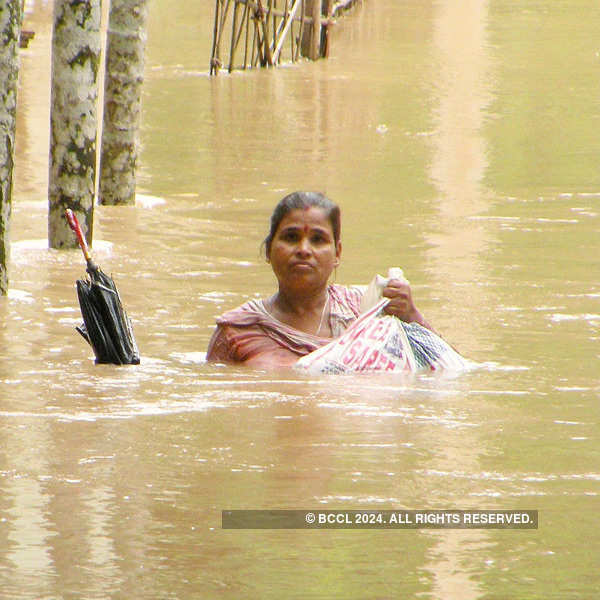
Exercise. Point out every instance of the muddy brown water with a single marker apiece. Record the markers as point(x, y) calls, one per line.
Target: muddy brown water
point(461, 141)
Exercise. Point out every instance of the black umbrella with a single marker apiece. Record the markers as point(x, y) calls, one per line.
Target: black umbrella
point(106, 326)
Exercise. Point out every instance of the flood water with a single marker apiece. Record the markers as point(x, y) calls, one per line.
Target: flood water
point(460, 139)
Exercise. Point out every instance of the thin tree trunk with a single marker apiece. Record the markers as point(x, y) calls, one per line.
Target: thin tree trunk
point(73, 118)
point(10, 30)
point(122, 100)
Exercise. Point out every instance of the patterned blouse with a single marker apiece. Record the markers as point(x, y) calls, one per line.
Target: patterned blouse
point(250, 331)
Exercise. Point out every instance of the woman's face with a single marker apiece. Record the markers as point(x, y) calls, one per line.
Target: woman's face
point(303, 251)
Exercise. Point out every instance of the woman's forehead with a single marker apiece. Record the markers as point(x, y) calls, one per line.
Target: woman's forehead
point(312, 216)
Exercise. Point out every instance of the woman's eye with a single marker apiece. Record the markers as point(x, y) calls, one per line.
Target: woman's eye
point(290, 236)
point(319, 239)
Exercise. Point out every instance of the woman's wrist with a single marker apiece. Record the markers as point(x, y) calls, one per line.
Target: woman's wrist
point(417, 317)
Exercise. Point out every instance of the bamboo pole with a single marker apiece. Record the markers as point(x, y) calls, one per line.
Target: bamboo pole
point(311, 38)
point(213, 55)
point(243, 25)
point(286, 10)
point(300, 30)
point(315, 34)
point(279, 28)
point(292, 37)
point(255, 4)
point(10, 31)
point(224, 15)
point(328, 7)
point(285, 30)
point(265, 23)
point(259, 45)
point(277, 24)
point(233, 36)
point(238, 35)
point(223, 18)
point(255, 50)
point(342, 5)
point(247, 27)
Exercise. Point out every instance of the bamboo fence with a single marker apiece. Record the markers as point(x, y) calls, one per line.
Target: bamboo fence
point(266, 32)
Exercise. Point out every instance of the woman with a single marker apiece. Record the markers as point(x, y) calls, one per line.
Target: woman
point(303, 248)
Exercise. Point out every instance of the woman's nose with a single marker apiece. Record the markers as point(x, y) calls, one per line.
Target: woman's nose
point(304, 247)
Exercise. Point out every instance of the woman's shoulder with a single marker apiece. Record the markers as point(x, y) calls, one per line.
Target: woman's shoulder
point(347, 294)
point(234, 328)
point(345, 300)
point(249, 313)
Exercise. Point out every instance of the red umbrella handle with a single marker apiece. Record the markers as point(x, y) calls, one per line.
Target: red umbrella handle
point(74, 224)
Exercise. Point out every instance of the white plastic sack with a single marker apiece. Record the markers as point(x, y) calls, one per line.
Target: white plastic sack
point(371, 343)
point(377, 342)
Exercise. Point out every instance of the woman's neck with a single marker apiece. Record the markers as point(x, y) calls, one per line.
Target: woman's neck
point(305, 312)
point(293, 303)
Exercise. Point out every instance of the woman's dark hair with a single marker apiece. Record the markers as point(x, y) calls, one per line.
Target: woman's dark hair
point(304, 200)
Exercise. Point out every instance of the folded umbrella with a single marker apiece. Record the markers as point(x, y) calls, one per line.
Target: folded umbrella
point(106, 326)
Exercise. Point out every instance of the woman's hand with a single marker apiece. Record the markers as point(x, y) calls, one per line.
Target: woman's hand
point(401, 303)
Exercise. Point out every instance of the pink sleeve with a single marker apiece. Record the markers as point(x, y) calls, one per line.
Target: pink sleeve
point(218, 347)
point(247, 345)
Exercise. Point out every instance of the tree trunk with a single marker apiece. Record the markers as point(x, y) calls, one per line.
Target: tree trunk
point(10, 28)
point(122, 100)
point(73, 118)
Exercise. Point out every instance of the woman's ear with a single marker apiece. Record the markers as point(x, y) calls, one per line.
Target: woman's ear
point(338, 253)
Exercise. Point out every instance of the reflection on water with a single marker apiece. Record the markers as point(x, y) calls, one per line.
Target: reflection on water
point(459, 160)
point(457, 169)
point(431, 125)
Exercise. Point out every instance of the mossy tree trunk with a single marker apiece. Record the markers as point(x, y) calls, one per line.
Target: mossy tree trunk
point(10, 31)
point(122, 100)
point(73, 118)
